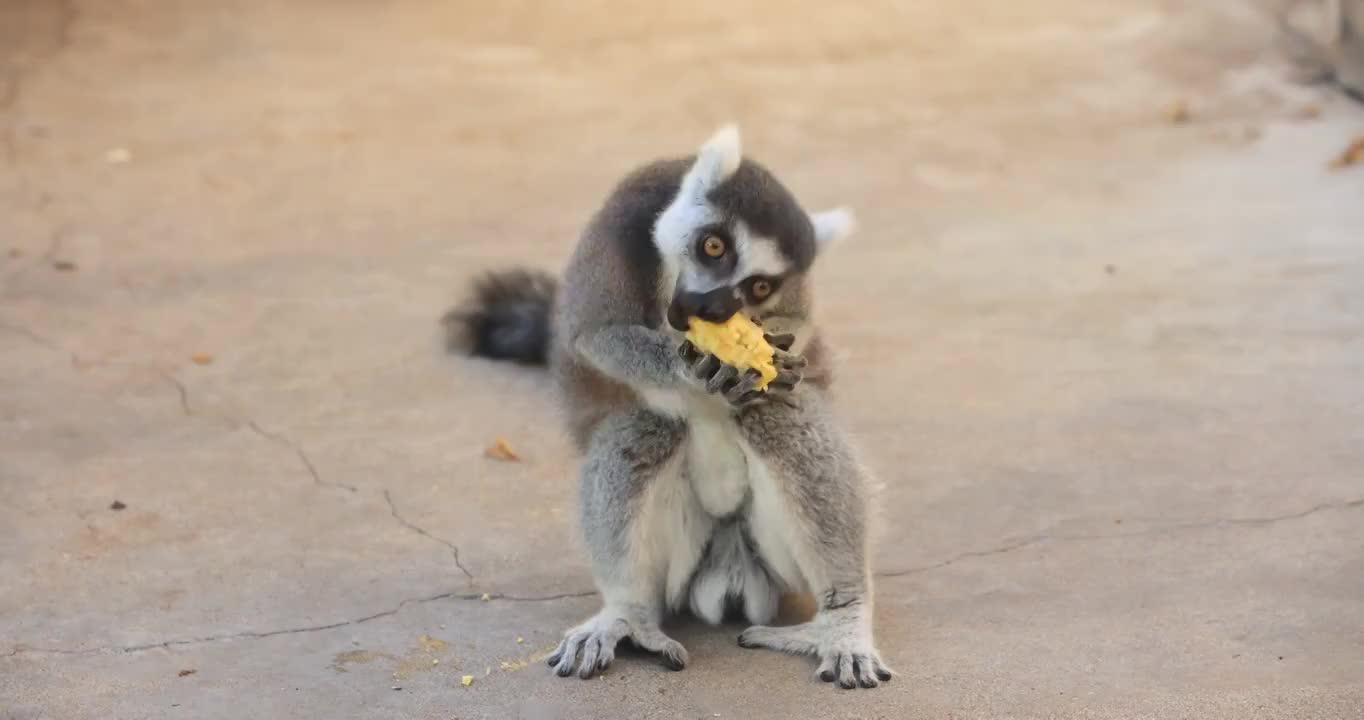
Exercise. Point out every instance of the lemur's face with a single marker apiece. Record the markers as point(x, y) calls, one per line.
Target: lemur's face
point(734, 238)
point(726, 269)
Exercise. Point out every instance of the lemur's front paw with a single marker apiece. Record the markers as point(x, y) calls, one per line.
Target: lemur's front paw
point(740, 388)
point(591, 646)
point(706, 372)
point(790, 371)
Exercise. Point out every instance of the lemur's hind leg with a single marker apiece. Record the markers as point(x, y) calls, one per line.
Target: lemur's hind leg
point(645, 533)
point(809, 518)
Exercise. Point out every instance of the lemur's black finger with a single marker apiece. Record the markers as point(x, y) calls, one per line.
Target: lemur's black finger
point(782, 342)
point(787, 360)
point(862, 670)
point(568, 654)
point(721, 378)
point(744, 386)
point(788, 377)
point(688, 351)
point(749, 398)
point(882, 672)
point(706, 367)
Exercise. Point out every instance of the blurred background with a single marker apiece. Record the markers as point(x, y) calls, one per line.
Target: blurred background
point(1101, 336)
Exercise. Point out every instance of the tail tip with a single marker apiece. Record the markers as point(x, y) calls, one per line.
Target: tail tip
point(508, 318)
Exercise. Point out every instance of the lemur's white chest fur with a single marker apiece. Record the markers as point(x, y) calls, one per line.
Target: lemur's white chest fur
point(716, 466)
point(720, 471)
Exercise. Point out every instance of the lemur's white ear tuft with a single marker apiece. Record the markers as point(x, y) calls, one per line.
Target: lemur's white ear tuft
point(833, 226)
point(717, 159)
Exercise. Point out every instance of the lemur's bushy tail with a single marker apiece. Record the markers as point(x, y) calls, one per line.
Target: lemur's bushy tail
point(508, 317)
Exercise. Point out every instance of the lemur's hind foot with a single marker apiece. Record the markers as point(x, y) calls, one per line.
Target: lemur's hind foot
point(591, 646)
point(846, 657)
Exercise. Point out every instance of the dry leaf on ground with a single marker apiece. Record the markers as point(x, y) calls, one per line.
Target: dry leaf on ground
point(1353, 155)
point(1178, 112)
point(502, 450)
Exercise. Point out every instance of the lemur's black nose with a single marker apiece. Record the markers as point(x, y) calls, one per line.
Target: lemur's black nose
point(715, 306)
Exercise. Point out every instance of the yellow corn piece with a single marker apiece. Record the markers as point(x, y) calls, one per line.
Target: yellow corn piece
point(737, 342)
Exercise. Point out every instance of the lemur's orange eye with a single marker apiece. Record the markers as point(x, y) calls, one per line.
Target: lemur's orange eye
point(761, 289)
point(713, 246)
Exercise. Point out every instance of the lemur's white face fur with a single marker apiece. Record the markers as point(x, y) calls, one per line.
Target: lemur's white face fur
point(733, 236)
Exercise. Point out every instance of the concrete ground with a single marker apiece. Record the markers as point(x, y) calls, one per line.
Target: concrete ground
point(1108, 360)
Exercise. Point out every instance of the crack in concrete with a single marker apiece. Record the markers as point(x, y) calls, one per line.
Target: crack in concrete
point(7, 100)
point(38, 339)
point(180, 388)
point(10, 97)
point(77, 363)
point(454, 550)
point(21, 649)
point(185, 405)
point(1046, 536)
point(302, 456)
point(69, 13)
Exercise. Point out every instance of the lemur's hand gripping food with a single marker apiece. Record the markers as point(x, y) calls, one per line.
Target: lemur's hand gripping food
point(737, 342)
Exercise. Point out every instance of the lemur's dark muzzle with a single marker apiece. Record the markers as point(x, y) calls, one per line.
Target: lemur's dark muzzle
point(715, 306)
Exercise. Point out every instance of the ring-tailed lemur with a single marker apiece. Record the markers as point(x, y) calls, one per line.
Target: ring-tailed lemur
point(697, 490)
